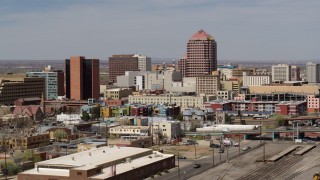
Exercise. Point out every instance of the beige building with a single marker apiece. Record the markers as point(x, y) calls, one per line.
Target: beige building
point(281, 72)
point(256, 79)
point(16, 121)
point(168, 129)
point(13, 87)
point(231, 85)
point(25, 142)
point(182, 101)
point(117, 93)
point(208, 84)
point(119, 131)
point(4, 110)
point(304, 89)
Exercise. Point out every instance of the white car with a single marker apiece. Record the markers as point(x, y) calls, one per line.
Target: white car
point(246, 148)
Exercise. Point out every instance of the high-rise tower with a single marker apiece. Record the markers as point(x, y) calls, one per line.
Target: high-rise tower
point(201, 57)
point(82, 78)
point(313, 72)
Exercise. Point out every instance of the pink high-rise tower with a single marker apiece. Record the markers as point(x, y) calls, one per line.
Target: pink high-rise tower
point(201, 57)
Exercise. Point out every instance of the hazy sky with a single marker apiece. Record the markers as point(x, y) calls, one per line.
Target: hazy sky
point(243, 29)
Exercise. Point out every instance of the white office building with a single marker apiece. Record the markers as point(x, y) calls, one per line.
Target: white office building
point(313, 72)
point(256, 79)
point(281, 72)
point(144, 62)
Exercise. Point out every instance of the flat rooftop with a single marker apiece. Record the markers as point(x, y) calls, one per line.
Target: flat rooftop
point(125, 159)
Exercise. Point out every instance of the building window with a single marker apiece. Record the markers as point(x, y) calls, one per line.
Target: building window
point(79, 173)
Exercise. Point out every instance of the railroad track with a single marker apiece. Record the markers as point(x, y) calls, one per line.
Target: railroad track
point(272, 170)
point(235, 161)
point(306, 167)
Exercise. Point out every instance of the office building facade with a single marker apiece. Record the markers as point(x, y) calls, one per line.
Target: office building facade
point(281, 72)
point(313, 72)
point(208, 84)
point(144, 62)
point(13, 88)
point(119, 64)
point(295, 73)
point(82, 78)
point(201, 57)
point(256, 79)
point(54, 82)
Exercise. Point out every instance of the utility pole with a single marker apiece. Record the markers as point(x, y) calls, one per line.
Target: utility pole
point(178, 163)
point(227, 154)
point(239, 144)
point(212, 156)
point(195, 151)
point(264, 150)
point(107, 133)
point(260, 130)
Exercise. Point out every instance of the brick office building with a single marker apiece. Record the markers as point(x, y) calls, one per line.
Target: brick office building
point(119, 64)
point(82, 78)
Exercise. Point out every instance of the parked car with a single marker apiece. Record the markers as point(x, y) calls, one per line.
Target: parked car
point(221, 150)
point(197, 165)
point(214, 145)
point(181, 157)
point(246, 148)
point(185, 143)
point(235, 144)
point(310, 141)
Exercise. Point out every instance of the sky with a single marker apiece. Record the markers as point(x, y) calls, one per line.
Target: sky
point(255, 30)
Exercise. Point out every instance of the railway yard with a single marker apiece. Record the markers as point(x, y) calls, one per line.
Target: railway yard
point(283, 160)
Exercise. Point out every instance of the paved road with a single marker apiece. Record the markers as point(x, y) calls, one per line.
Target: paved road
point(187, 170)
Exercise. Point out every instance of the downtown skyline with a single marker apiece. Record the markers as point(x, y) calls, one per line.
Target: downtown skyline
point(244, 30)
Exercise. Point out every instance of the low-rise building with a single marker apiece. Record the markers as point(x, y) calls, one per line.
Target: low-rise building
point(117, 93)
point(132, 141)
point(166, 128)
point(109, 162)
point(119, 131)
point(32, 111)
point(313, 104)
point(25, 142)
point(179, 100)
point(16, 121)
point(69, 119)
point(291, 108)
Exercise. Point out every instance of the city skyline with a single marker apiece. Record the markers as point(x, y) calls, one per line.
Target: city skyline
point(246, 30)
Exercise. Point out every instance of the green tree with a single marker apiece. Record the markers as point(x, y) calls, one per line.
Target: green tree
point(85, 116)
point(10, 168)
point(27, 155)
point(95, 112)
point(60, 134)
point(178, 117)
point(228, 119)
point(280, 119)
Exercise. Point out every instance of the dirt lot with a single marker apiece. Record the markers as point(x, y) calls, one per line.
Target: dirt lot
point(188, 151)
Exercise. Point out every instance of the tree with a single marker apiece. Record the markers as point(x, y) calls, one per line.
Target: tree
point(10, 168)
point(280, 119)
point(85, 116)
point(228, 119)
point(95, 112)
point(60, 134)
point(178, 117)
